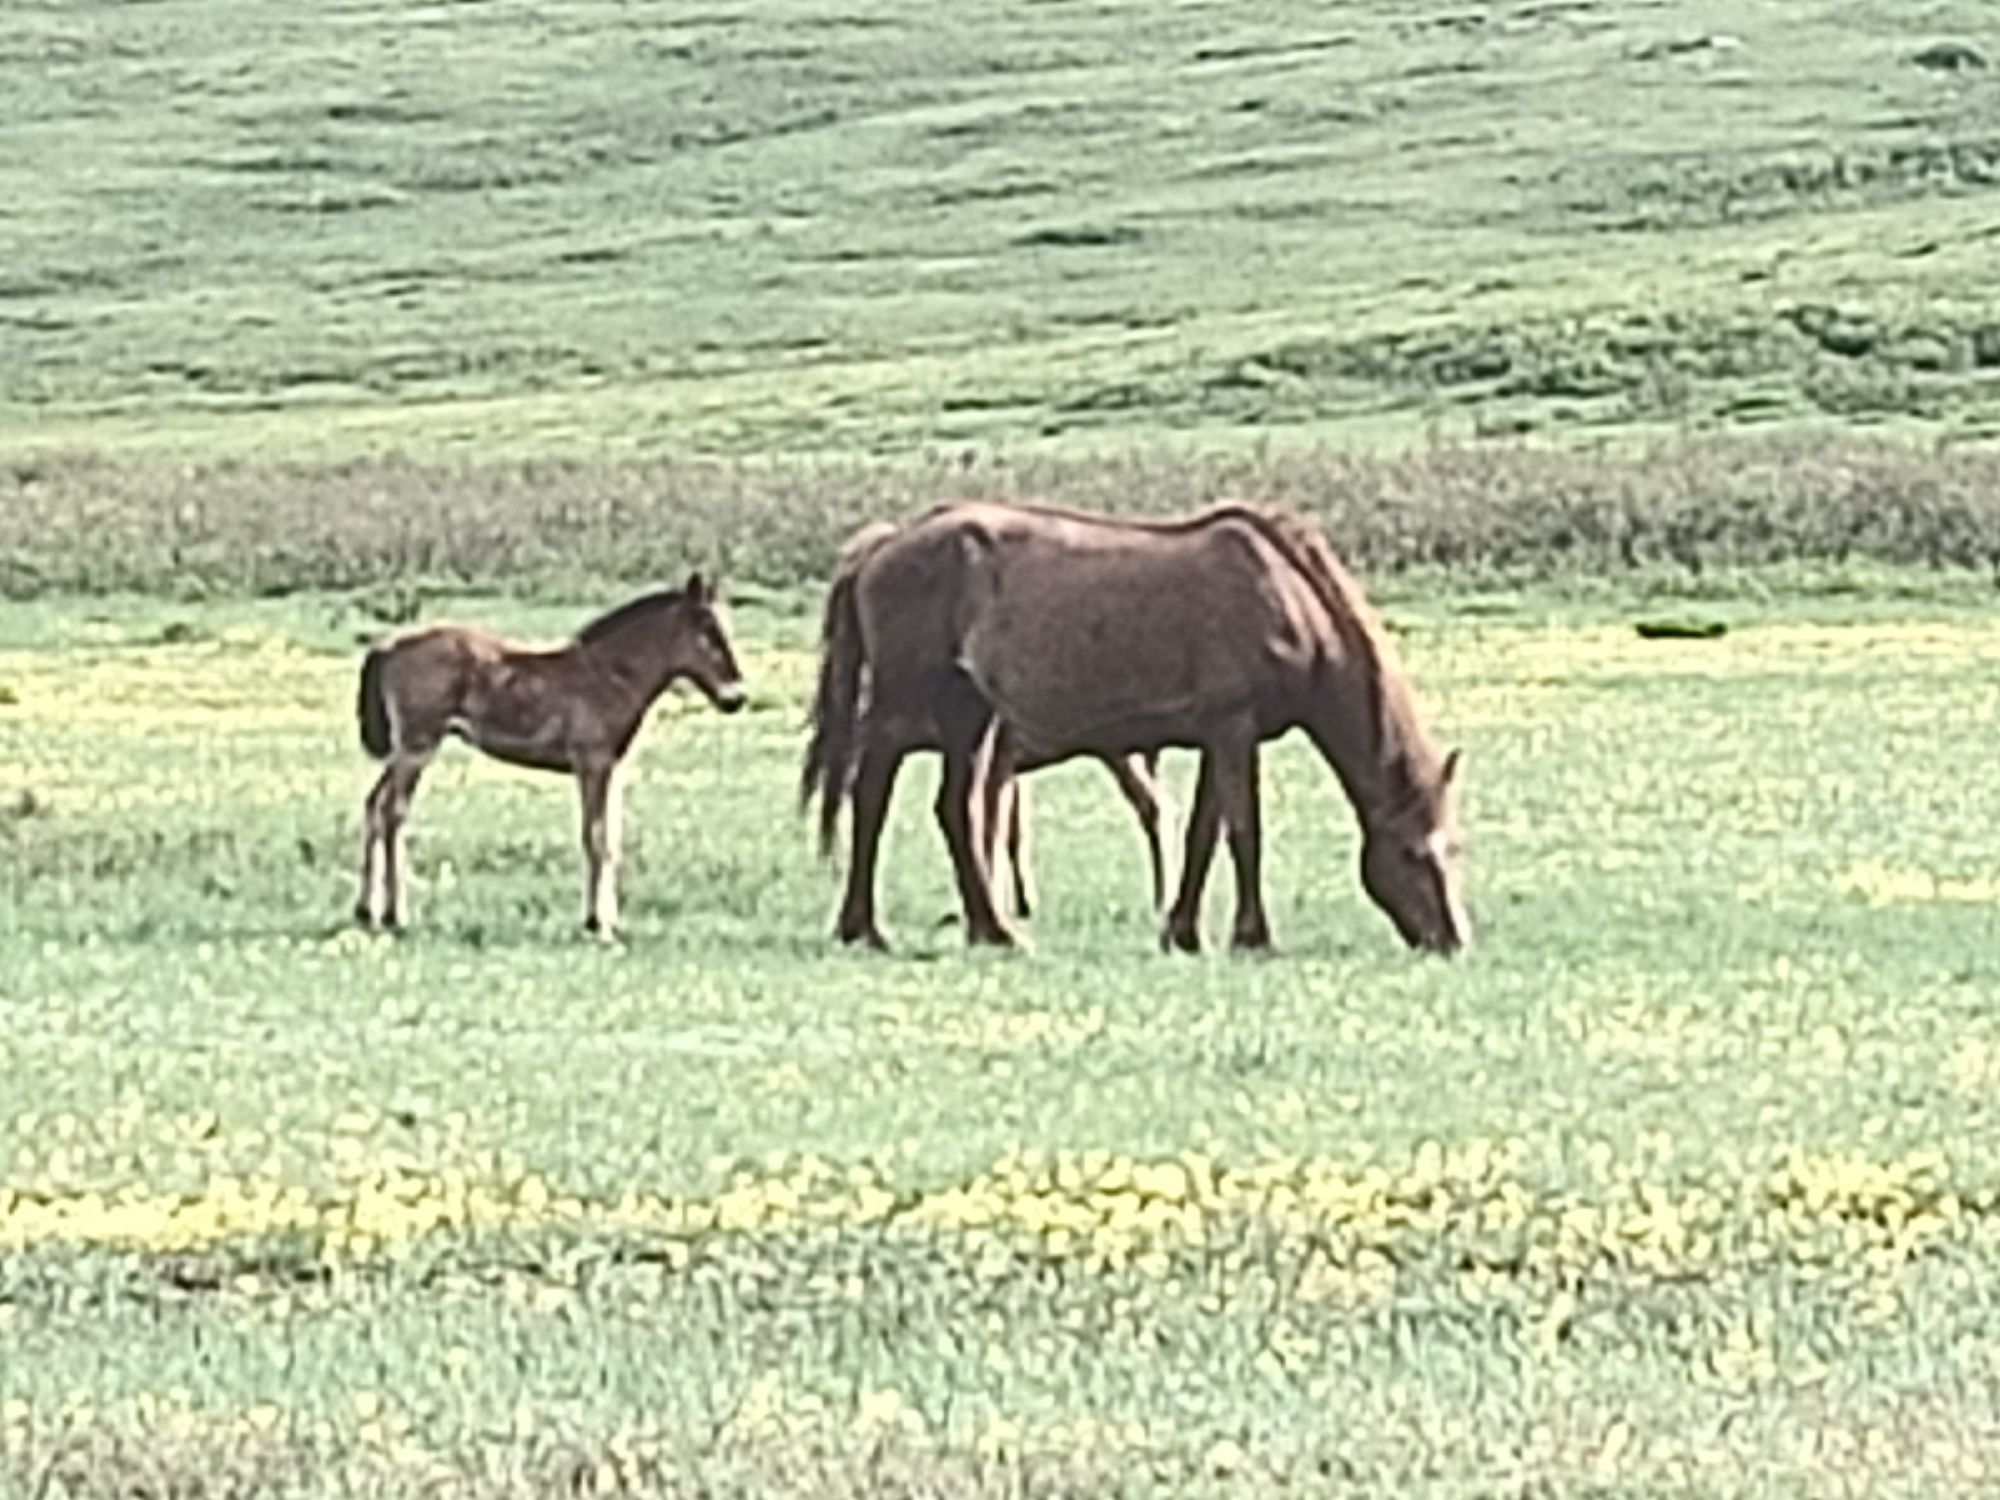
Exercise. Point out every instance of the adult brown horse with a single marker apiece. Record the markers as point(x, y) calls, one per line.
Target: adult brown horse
point(1002, 810)
point(574, 707)
point(1085, 634)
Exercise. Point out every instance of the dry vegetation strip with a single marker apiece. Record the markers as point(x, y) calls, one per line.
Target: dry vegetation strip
point(88, 524)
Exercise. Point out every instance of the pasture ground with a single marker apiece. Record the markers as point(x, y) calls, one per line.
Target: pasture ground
point(1687, 1182)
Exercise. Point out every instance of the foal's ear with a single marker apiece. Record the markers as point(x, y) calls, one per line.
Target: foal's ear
point(697, 588)
point(1450, 775)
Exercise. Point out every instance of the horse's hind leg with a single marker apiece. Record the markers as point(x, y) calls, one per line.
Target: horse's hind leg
point(963, 720)
point(874, 780)
point(599, 788)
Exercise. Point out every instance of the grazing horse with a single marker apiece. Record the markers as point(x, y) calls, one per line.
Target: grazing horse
point(1086, 634)
point(1003, 817)
point(573, 707)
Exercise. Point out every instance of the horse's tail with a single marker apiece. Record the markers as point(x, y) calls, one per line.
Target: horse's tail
point(371, 708)
point(836, 707)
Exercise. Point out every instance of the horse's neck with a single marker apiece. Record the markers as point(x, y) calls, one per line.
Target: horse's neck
point(1366, 731)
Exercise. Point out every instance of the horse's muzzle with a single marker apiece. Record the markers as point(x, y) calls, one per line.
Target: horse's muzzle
point(731, 698)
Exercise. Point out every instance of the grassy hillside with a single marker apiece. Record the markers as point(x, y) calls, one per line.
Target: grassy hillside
point(249, 226)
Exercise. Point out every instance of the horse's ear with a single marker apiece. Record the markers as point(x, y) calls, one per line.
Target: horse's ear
point(1451, 763)
point(697, 588)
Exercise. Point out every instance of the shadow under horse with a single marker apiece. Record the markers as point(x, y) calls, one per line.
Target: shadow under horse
point(1090, 635)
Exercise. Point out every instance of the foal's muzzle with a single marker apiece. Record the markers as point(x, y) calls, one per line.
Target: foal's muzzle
point(729, 699)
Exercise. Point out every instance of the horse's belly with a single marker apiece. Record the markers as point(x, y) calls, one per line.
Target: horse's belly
point(547, 751)
point(1103, 660)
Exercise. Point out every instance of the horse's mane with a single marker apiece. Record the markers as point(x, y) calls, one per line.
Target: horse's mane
point(1402, 741)
point(614, 620)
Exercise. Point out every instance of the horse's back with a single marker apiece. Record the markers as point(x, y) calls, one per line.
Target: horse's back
point(1086, 629)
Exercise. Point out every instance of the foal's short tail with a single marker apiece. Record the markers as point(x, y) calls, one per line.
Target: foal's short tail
point(371, 709)
point(836, 707)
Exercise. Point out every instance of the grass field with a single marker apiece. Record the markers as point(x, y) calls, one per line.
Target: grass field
point(1560, 315)
point(821, 226)
point(1686, 1182)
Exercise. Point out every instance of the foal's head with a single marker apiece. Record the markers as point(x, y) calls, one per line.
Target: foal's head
point(1412, 867)
point(698, 646)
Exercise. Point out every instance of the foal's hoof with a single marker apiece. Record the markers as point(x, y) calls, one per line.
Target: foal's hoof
point(1254, 941)
point(603, 932)
point(1175, 938)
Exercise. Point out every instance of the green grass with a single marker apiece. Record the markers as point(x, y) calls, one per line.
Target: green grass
point(813, 226)
point(1727, 1049)
point(1562, 317)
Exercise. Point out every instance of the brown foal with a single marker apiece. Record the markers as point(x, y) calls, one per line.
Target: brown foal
point(574, 707)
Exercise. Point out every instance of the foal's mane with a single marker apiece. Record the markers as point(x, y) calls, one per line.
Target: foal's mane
point(614, 620)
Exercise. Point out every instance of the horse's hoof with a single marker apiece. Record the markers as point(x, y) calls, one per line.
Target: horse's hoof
point(869, 937)
point(996, 936)
point(1175, 939)
point(1256, 941)
point(363, 917)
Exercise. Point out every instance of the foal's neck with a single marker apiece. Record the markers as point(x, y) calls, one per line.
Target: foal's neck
point(635, 656)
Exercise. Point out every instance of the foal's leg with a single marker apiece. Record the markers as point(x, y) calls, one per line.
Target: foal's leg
point(388, 811)
point(1183, 925)
point(1004, 831)
point(1015, 809)
point(368, 906)
point(1138, 779)
point(598, 785)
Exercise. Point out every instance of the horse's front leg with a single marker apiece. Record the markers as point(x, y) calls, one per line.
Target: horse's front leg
point(1237, 793)
point(1183, 924)
point(598, 785)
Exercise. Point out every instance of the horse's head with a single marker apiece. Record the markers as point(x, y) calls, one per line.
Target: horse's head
point(703, 653)
point(1411, 865)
